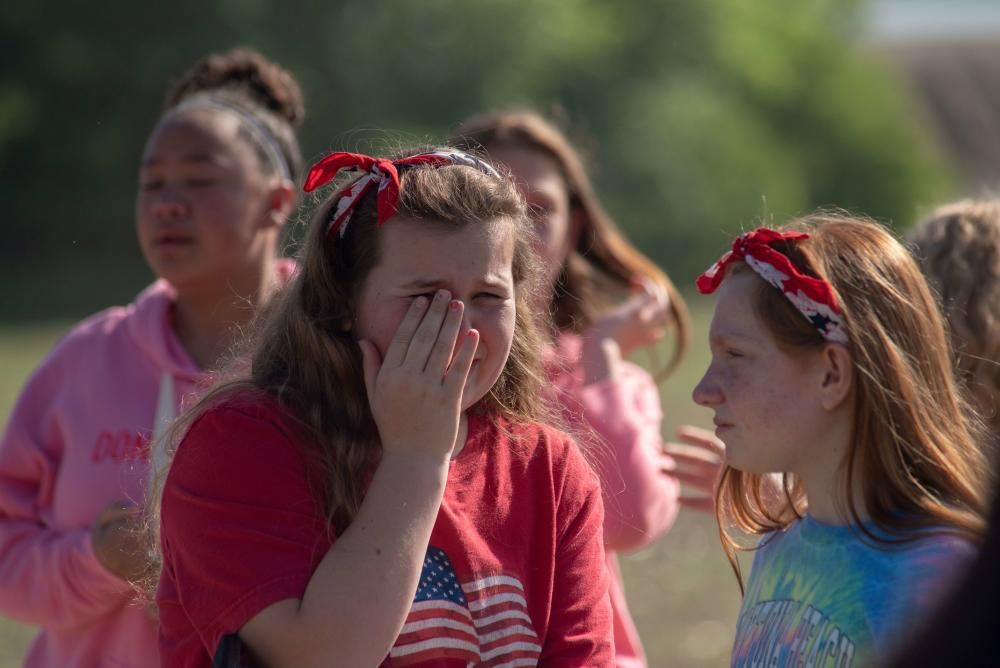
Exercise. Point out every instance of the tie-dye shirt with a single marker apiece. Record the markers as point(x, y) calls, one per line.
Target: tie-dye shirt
point(820, 595)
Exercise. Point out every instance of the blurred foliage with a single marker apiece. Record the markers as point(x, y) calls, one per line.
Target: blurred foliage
point(701, 116)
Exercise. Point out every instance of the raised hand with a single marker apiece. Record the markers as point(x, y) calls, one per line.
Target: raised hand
point(641, 321)
point(415, 393)
point(638, 322)
point(699, 460)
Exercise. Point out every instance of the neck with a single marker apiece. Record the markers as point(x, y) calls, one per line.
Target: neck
point(208, 320)
point(824, 477)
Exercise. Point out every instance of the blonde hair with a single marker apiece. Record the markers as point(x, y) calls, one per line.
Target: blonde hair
point(603, 264)
point(914, 445)
point(302, 353)
point(958, 249)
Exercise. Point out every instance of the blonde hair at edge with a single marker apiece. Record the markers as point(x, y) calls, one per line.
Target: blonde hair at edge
point(303, 354)
point(958, 249)
point(914, 444)
point(603, 263)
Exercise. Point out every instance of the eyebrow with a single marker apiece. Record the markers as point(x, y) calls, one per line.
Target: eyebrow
point(191, 157)
point(435, 283)
point(731, 336)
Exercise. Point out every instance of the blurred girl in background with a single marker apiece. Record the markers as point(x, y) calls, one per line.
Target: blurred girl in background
point(605, 301)
point(958, 250)
point(216, 185)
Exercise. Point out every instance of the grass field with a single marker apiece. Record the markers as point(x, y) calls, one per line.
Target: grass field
point(681, 591)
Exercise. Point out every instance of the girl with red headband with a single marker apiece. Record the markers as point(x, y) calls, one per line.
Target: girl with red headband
point(831, 368)
point(215, 188)
point(375, 485)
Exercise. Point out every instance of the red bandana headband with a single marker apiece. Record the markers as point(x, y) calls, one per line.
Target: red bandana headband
point(382, 174)
point(813, 297)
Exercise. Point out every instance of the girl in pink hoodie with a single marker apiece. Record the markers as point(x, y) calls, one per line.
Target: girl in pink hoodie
point(607, 300)
point(216, 184)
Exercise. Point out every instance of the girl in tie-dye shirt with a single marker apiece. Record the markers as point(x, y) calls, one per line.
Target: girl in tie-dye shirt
point(831, 369)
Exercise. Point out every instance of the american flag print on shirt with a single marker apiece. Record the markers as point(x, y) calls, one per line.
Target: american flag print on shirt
point(483, 622)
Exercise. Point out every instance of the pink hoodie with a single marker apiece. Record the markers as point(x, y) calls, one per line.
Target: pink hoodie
point(618, 422)
point(77, 441)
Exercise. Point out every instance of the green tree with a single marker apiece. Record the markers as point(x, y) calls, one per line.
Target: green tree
point(702, 116)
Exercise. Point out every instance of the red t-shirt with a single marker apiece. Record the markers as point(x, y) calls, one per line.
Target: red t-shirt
point(514, 573)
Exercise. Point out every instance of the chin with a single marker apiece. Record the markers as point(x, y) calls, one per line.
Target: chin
point(475, 391)
point(471, 397)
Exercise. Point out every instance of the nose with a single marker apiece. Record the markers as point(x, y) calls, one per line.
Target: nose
point(707, 392)
point(169, 205)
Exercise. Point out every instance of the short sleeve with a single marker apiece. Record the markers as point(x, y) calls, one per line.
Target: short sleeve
point(580, 631)
point(240, 529)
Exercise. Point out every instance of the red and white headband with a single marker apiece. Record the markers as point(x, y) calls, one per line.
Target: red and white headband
point(382, 174)
point(813, 297)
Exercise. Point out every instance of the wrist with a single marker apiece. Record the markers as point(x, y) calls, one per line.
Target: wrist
point(601, 356)
point(420, 464)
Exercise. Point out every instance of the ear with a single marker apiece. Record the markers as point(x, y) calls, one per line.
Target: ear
point(838, 375)
point(280, 202)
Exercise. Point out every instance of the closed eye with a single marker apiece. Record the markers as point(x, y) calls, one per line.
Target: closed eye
point(200, 183)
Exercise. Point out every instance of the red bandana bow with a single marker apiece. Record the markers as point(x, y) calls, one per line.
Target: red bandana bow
point(381, 173)
point(813, 297)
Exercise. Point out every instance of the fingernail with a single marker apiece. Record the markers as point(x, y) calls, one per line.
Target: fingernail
point(454, 305)
point(441, 295)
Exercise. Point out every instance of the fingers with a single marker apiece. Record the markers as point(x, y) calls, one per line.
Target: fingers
point(653, 289)
point(454, 380)
point(702, 438)
point(700, 503)
point(653, 313)
point(699, 460)
point(371, 364)
point(660, 293)
point(444, 347)
point(396, 352)
point(427, 333)
point(689, 455)
point(698, 481)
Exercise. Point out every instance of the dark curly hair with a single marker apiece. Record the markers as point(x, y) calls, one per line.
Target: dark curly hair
point(258, 87)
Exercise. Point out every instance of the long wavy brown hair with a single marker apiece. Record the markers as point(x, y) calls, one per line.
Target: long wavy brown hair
point(915, 444)
point(303, 354)
point(604, 264)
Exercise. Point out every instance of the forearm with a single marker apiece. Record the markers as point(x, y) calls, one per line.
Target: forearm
point(640, 492)
point(600, 356)
point(358, 597)
point(640, 511)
